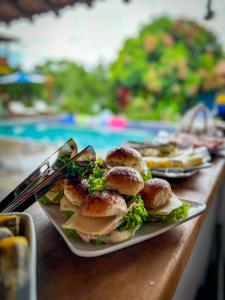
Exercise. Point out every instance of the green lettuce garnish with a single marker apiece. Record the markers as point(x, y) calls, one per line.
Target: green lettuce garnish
point(68, 213)
point(46, 201)
point(99, 161)
point(176, 215)
point(136, 217)
point(96, 180)
point(96, 242)
point(147, 176)
point(61, 161)
point(71, 233)
point(76, 170)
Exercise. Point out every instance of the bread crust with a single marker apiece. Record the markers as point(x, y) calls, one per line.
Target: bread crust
point(156, 193)
point(124, 156)
point(124, 180)
point(103, 204)
point(76, 192)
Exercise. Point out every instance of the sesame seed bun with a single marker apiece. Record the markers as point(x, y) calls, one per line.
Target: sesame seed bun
point(124, 180)
point(156, 193)
point(103, 204)
point(124, 156)
point(75, 192)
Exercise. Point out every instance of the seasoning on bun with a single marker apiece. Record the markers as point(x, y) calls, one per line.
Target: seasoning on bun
point(124, 180)
point(156, 193)
point(75, 192)
point(103, 204)
point(162, 205)
point(124, 156)
point(104, 217)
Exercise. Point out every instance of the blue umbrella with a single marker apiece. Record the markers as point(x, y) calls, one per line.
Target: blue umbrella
point(22, 78)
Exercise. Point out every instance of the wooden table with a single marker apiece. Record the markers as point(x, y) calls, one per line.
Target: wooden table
point(149, 270)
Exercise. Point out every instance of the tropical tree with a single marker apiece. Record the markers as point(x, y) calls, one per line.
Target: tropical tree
point(166, 66)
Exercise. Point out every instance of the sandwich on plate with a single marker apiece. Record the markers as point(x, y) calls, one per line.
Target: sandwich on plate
point(113, 214)
point(161, 203)
point(108, 201)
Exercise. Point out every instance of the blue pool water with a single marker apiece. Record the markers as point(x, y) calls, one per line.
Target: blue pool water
point(102, 139)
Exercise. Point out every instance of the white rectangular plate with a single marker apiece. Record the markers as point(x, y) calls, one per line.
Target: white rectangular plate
point(27, 226)
point(178, 172)
point(148, 231)
point(171, 174)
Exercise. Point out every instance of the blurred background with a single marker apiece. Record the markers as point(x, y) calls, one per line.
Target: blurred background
point(149, 60)
point(103, 72)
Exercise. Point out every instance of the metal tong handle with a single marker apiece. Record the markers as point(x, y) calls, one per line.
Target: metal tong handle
point(21, 196)
point(49, 181)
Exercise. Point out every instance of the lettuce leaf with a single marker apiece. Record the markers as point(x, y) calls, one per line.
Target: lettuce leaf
point(71, 233)
point(96, 242)
point(96, 180)
point(46, 201)
point(176, 215)
point(147, 176)
point(61, 161)
point(136, 217)
point(78, 171)
point(68, 213)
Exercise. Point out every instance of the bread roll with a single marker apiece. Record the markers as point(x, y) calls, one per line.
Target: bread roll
point(124, 156)
point(75, 192)
point(124, 180)
point(103, 204)
point(156, 193)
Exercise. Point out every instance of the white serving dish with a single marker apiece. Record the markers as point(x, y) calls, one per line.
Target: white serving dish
point(171, 174)
point(179, 172)
point(148, 231)
point(27, 226)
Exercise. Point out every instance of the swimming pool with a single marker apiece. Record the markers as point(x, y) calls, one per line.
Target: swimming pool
point(102, 139)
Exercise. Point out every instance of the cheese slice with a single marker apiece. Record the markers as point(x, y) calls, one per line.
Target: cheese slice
point(51, 195)
point(66, 205)
point(92, 226)
point(166, 210)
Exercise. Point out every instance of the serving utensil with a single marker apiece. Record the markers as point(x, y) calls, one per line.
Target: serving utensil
point(52, 170)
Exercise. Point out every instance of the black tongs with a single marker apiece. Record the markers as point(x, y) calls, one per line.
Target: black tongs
point(51, 171)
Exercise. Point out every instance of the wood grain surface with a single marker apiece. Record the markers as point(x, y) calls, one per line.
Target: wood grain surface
point(149, 270)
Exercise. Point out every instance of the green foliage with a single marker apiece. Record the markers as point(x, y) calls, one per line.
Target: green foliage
point(162, 69)
point(165, 67)
point(77, 90)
